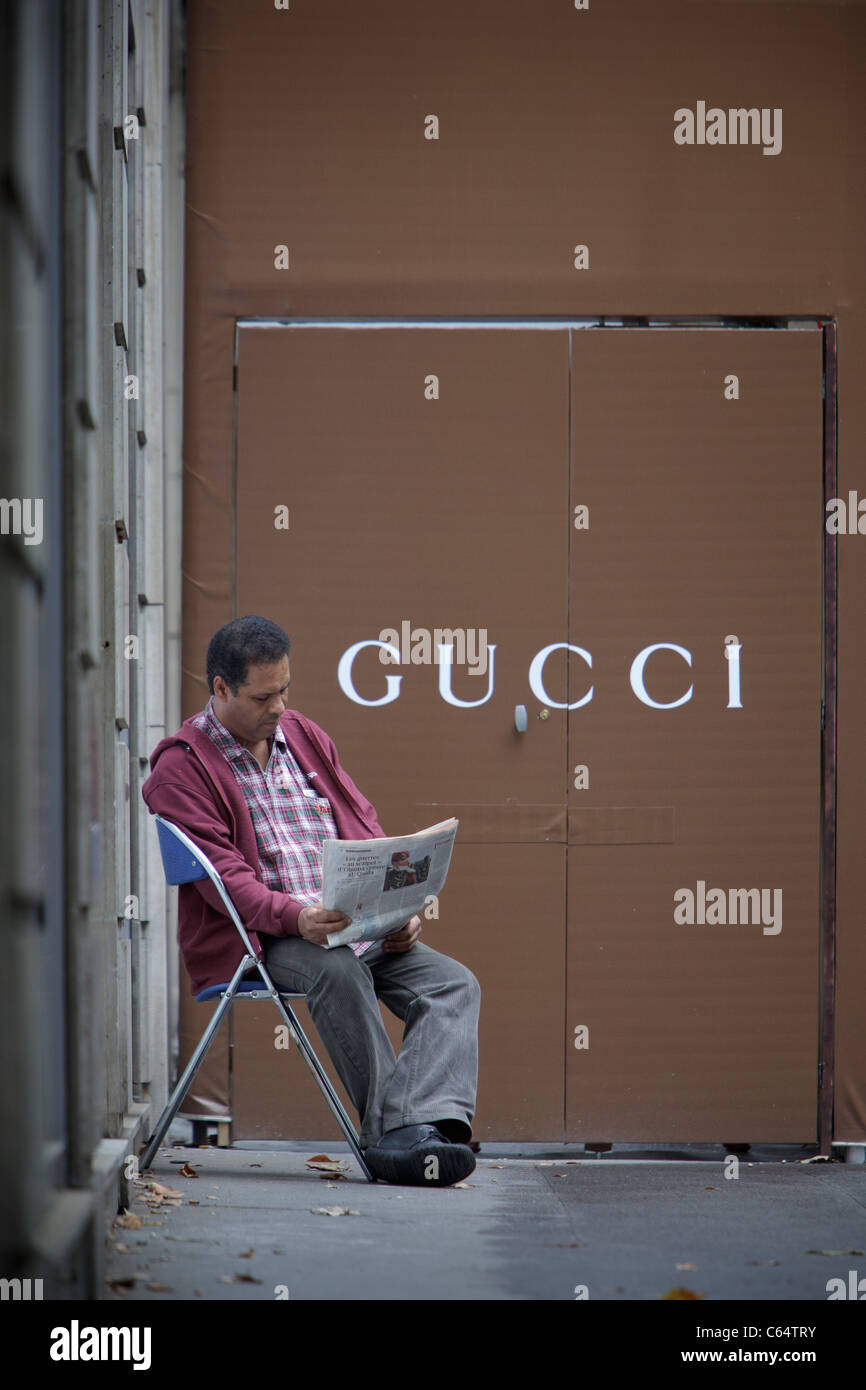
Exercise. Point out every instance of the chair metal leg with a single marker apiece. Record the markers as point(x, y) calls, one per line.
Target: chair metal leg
point(192, 1066)
point(324, 1084)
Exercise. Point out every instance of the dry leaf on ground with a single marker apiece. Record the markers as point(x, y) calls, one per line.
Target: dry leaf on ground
point(834, 1252)
point(334, 1211)
point(323, 1164)
point(129, 1221)
point(159, 1189)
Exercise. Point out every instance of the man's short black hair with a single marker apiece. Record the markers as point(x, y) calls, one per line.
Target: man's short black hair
point(242, 643)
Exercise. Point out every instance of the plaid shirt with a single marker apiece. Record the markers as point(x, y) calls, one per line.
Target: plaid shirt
point(291, 821)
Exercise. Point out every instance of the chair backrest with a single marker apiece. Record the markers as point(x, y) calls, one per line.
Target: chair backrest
point(184, 862)
point(180, 861)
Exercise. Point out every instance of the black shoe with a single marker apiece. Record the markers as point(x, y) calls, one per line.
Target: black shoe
point(419, 1156)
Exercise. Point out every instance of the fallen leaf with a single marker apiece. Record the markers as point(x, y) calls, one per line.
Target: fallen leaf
point(246, 1279)
point(127, 1283)
point(187, 1171)
point(334, 1211)
point(160, 1190)
point(158, 1288)
point(194, 1202)
point(681, 1293)
point(247, 1254)
point(686, 1266)
point(834, 1252)
point(711, 1189)
point(119, 1245)
point(323, 1164)
point(545, 1163)
point(496, 1165)
point(129, 1220)
point(464, 1184)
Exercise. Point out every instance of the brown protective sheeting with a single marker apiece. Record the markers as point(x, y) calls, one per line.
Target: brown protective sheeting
point(306, 129)
point(702, 1031)
point(208, 1095)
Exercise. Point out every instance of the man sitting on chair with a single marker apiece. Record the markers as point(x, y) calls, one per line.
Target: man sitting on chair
point(259, 787)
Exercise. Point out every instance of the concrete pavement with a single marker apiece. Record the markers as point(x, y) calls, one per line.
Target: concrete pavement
point(531, 1223)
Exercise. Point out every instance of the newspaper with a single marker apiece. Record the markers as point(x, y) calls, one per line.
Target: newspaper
point(380, 884)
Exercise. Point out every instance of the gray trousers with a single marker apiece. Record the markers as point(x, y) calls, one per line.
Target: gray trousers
point(436, 1074)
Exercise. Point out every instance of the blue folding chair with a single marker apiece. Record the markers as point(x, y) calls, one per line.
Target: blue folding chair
point(184, 862)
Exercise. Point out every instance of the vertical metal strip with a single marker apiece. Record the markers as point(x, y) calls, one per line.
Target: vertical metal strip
point(568, 714)
point(235, 411)
point(828, 765)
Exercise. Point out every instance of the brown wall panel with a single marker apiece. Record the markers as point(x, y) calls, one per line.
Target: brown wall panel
point(448, 513)
point(305, 127)
point(522, 1005)
point(209, 1093)
point(502, 913)
point(705, 522)
point(556, 127)
point(274, 1095)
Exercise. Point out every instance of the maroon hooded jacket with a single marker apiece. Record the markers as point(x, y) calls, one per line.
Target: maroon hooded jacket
point(192, 784)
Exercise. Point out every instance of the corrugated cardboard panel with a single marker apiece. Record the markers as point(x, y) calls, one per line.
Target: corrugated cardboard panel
point(490, 887)
point(705, 523)
point(412, 513)
point(306, 127)
point(274, 1094)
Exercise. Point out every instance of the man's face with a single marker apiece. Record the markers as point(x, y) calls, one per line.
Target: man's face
point(253, 714)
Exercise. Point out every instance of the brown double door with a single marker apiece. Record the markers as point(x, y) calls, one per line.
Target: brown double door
point(618, 533)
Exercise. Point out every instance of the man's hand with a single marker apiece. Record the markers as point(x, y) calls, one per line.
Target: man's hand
point(404, 939)
point(317, 923)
